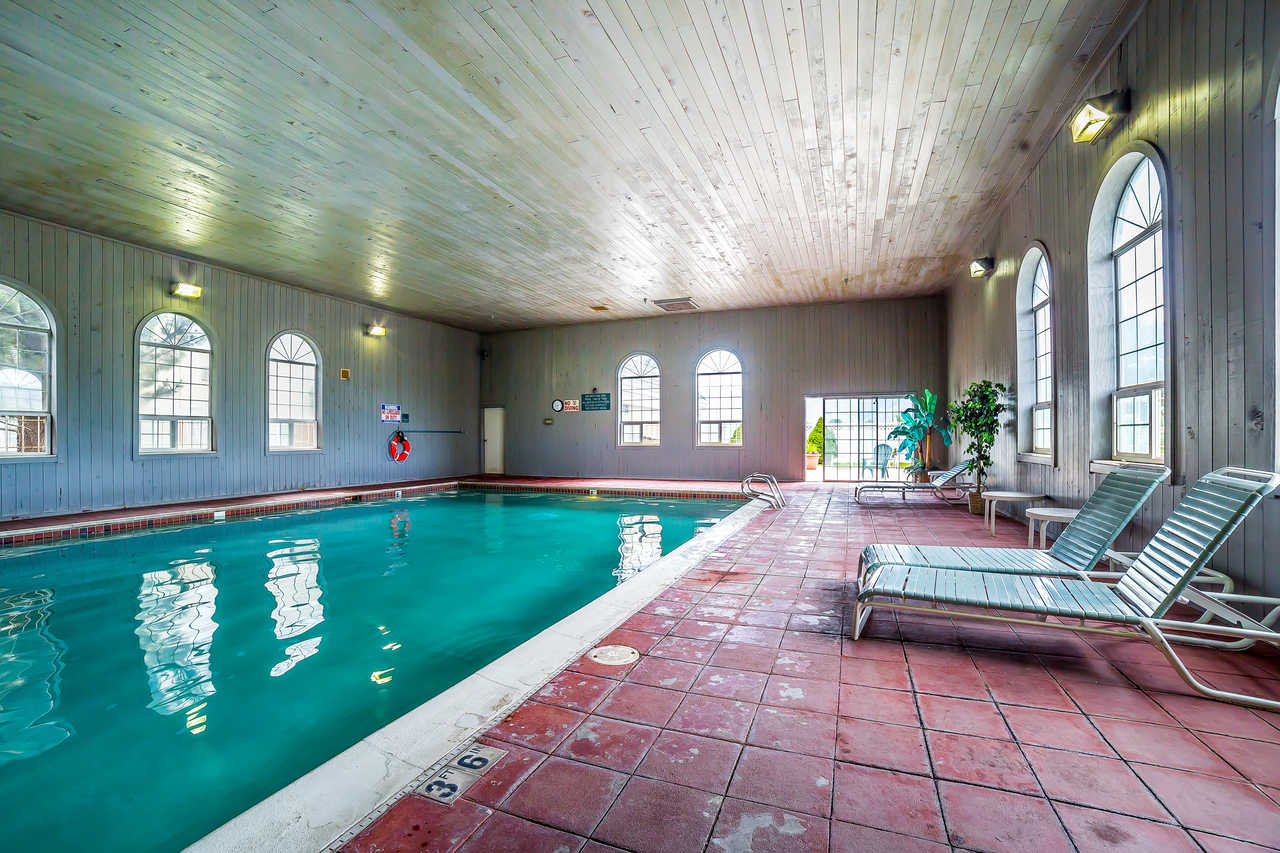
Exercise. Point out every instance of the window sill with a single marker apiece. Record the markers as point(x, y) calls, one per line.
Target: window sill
point(27, 458)
point(622, 446)
point(1036, 459)
point(1106, 466)
point(289, 451)
point(719, 446)
point(162, 454)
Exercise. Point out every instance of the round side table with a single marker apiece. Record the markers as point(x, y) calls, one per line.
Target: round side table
point(991, 499)
point(1046, 515)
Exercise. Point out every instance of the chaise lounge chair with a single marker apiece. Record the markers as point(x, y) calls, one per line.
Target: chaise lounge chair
point(937, 482)
point(1133, 608)
point(1079, 546)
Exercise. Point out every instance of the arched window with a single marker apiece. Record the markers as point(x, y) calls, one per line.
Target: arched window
point(293, 394)
point(1035, 355)
point(26, 375)
point(1137, 249)
point(639, 401)
point(720, 400)
point(174, 382)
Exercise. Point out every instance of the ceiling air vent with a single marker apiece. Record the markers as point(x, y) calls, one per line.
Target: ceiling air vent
point(684, 303)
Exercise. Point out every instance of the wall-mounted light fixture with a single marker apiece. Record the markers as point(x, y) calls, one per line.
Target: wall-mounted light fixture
point(981, 267)
point(1096, 115)
point(373, 330)
point(186, 290)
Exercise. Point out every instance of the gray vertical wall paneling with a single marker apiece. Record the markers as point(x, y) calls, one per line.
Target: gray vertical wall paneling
point(787, 353)
point(1200, 75)
point(101, 289)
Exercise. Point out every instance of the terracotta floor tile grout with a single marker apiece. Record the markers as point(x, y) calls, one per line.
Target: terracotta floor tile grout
point(798, 564)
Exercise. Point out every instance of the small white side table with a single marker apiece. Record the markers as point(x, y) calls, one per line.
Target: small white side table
point(1046, 515)
point(991, 499)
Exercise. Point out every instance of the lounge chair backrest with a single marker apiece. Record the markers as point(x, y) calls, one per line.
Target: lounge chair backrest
point(1104, 515)
point(950, 474)
point(1212, 508)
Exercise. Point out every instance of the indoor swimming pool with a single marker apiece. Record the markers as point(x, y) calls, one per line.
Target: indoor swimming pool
point(154, 686)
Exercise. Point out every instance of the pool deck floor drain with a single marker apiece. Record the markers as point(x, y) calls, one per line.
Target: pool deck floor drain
point(614, 655)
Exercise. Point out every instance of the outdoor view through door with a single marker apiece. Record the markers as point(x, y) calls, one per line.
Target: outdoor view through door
point(856, 443)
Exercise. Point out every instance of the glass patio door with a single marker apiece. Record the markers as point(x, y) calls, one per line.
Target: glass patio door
point(856, 439)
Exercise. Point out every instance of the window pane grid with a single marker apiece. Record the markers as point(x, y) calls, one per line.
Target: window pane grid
point(719, 406)
point(174, 393)
point(1139, 417)
point(1042, 428)
point(1140, 331)
point(292, 393)
point(26, 375)
point(22, 434)
point(639, 401)
point(856, 442)
point(189, 434)
point(1035, 354)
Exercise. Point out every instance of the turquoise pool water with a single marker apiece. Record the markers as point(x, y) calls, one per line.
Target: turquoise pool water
point(154, 686)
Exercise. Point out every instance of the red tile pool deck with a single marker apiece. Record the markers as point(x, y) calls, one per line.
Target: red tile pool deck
point(752, 722)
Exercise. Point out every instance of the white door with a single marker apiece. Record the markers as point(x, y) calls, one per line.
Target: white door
point(494, 419)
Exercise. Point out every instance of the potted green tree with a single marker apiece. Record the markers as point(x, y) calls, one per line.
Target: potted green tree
point(919, 422)
point(813, 447)
point(978, 417)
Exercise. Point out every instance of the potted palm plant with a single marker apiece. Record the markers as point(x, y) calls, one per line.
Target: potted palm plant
point(978, 417)
point(919, 422)
point(813, 447)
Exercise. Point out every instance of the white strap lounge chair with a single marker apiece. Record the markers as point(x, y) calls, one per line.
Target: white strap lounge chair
point(1076, 551)
point(937, 482)
point(1134, 607)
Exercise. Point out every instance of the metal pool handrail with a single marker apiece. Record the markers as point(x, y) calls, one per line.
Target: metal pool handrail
point(773, 495)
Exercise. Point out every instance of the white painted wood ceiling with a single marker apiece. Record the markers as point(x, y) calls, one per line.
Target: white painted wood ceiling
point(512, 163)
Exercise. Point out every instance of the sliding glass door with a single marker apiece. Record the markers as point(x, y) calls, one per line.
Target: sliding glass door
point(856, 438)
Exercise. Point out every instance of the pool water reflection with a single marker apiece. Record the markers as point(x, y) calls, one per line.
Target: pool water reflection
point(154, 686)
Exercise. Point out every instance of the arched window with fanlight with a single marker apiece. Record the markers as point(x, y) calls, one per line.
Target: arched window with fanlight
point(1138, 251)
point(639, 401)
point(719, 403)
point(1036, 413)
point(293, 393)
point(175, 381)
point(26, 375)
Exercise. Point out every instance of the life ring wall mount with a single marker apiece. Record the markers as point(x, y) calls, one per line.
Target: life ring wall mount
point(399, 448)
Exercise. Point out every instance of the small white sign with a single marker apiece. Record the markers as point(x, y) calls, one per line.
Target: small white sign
point(391, 413)
point(572, 406)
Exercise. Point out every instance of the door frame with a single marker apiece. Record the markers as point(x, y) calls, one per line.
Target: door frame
point(848, 396)
point(484, 440)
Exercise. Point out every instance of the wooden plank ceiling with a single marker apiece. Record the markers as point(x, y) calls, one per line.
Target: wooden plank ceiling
point(511, 163)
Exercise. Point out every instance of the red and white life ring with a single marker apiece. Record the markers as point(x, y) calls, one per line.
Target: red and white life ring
point(399, 448)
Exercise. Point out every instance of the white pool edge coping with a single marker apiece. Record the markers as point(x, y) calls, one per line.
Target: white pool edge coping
point(330, 803)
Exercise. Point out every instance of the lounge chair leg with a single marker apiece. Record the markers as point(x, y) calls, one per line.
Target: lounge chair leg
point(1195, 684)
point(860, 614)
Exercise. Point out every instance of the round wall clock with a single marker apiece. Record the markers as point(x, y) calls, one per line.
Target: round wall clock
point(557, 405)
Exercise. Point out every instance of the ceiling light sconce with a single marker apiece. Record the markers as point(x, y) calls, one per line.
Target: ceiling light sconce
point(1096, 115)
point(186, 290)
point(374, 330)
point(981, 267)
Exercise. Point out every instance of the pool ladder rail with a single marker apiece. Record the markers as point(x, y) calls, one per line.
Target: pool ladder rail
point(772, 493)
